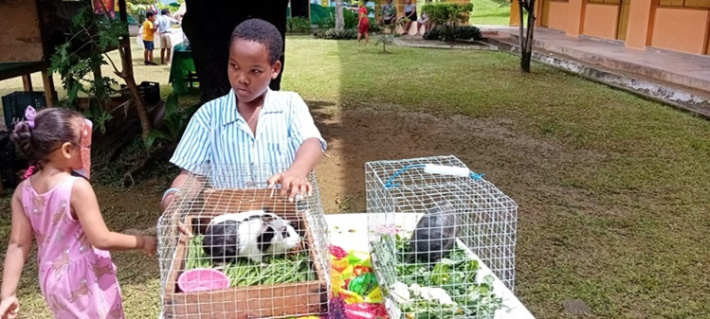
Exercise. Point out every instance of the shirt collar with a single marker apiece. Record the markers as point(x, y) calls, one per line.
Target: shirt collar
point(230, 112)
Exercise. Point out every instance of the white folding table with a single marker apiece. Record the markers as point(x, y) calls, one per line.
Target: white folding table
point(350, 232)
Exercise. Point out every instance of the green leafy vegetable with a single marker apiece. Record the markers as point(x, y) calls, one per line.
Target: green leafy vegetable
point(275, 270)
point(456, 274)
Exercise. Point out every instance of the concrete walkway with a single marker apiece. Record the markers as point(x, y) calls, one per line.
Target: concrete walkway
point(678, 79)
point(688, 71)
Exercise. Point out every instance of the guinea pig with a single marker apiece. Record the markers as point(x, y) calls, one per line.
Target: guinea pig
point(434, 234)
point(279, 238)
point(251, 234)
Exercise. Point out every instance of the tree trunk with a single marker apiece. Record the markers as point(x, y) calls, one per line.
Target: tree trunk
point(526, 33)
point(208, 24)
point(521, 8)
point(127, 74)
point(339, 20)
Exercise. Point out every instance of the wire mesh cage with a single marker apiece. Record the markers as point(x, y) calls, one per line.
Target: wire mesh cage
point(229, 247)
point(440, 235)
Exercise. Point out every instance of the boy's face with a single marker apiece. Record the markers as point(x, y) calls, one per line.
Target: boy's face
point(249, 70)
point(152, 18)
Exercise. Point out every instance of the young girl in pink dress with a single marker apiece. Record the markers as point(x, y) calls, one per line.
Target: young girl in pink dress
point(76, 274)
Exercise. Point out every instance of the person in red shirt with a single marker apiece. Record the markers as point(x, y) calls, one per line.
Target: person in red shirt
point(363, 23)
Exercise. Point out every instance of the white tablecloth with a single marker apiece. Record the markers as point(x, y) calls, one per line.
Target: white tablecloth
point(350, 232)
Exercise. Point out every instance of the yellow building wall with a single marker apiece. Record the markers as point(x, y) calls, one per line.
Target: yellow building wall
point(558, 15)
point(681, 29)
point(601, 20)
point(641, 16)
point(514, 13)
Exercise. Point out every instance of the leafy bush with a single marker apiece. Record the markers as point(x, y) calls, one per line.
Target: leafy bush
point(467, 32)
point(447, 13)
point(175, 122)
point(374, 26)
point(327, 22)
point(298, 25)
point(332, 34)
point(448, 16)
point(432, 34)
point(349, 20)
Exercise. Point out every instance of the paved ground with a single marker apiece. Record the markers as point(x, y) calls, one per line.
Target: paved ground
point(688, 70)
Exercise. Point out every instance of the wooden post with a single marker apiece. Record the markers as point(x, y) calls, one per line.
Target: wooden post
point(125, 43)
point(97, 73)
point(51, 87)
point(47, 88)
point(27, 82)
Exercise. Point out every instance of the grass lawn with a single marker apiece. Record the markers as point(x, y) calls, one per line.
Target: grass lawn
point(612, 188)
point(490, 12)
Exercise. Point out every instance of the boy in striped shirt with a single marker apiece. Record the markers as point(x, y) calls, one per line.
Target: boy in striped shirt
point(253, 136)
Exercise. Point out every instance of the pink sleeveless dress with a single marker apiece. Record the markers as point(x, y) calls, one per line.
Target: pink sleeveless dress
point(76, 279)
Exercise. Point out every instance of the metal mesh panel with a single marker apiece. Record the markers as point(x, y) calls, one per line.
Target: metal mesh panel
point(248, 251)
point(427, 227)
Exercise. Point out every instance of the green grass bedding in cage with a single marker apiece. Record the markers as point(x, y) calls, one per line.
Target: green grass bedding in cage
point(274, 270)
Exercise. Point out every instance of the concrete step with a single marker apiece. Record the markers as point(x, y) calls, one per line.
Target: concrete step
point(640, 67)
point(682, 97)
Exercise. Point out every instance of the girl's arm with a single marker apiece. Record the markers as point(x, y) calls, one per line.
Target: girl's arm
point(18, 247)
point(83, 200)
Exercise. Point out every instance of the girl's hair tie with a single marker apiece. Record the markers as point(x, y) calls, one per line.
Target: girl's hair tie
point(30, 171)
point(30, 114)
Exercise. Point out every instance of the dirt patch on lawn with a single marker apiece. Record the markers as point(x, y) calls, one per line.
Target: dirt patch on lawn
point(359, 134)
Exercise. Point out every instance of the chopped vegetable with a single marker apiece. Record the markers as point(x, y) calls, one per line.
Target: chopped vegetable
point(275, 270)
point(448, 289)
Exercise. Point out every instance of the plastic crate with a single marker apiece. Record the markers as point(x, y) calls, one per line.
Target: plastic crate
point(150, 91)
point(15, 104)
point(8, 178)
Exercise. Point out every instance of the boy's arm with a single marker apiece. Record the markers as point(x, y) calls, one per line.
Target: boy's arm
point(177, 184)
point(295, 180)
point(18, 248)
point(310, 146)
point(307, 157)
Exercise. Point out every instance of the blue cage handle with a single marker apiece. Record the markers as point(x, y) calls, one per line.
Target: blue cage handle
point(435, 169)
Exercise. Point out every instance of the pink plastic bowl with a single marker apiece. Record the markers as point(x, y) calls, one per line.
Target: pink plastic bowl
point(201, 279)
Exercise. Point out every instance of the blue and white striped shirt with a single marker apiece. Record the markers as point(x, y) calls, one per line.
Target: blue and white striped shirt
point(218, 142)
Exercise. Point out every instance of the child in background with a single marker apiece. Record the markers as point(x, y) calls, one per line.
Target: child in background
point(363, 23)
point(77, 276)
point(149, 28)
point(164, 23)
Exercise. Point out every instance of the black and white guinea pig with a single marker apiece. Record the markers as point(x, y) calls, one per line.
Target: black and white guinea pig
point(251, 234)
point(435, 233)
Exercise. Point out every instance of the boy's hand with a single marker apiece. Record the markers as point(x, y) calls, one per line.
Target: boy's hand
point(150, 245)
point(9, 308)
point(291, 184)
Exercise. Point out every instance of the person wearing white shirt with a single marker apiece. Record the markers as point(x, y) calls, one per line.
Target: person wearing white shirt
point(164, 23)
point(252, 137)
